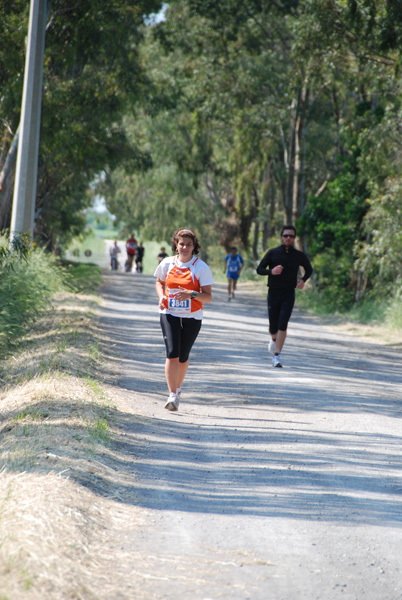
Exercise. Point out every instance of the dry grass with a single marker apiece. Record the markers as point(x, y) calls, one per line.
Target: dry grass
point(374, 332)
point(66, 492)
point(55, 461)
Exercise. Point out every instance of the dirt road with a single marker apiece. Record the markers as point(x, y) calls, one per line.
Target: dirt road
point(268, 484)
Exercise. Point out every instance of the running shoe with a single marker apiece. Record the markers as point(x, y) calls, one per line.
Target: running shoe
point(178, 392)
point(272, 346)
point(276, 360)
point(172, 402)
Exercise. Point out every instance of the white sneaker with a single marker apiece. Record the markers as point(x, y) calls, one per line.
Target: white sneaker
point(276, 360)
point(172, 402)
point(178, 392)
point(272, 346)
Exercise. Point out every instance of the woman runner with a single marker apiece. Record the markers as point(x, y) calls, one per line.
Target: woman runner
point(183, 284)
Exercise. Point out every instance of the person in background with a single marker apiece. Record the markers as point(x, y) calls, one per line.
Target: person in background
point(131, 247)
point(233, 265)
point(162, 254)
point(114, 252)
point(139, 257)
point(183, 284)
point(281, 264)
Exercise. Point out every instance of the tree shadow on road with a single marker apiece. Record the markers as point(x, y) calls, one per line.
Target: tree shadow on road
point(245, 462)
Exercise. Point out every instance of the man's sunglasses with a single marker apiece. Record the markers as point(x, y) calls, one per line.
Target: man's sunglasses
point(288, 235)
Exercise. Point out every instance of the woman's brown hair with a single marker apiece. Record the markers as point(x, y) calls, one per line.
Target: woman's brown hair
point(180, 233)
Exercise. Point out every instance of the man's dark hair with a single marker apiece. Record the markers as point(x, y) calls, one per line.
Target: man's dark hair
point(288, 227)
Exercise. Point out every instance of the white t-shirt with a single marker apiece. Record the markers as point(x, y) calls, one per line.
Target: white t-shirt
point(199, 269)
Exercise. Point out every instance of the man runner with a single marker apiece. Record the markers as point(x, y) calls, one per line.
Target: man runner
point(282, 264)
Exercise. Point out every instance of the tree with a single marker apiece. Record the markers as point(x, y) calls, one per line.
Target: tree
point(86, 93)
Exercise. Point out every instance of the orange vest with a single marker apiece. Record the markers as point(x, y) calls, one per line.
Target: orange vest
point(184, 278)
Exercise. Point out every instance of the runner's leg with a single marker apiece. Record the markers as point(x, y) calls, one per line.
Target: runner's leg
point(183, 366)
point(179, 335)
point(273, 313)
point(286, 308)
point(171, 330)
point(190, 329)
point(172, 374)
point(280, 340)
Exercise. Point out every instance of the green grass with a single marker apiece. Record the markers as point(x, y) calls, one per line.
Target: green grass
point(96, 387)
point(83, 277)
point(27, 284)
point(106, 234)
point(371, 310)
point(26, 287)
point(92, 244)
point(99, 431)
point(393, 312)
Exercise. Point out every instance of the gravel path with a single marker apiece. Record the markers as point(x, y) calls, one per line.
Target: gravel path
point(268, 484)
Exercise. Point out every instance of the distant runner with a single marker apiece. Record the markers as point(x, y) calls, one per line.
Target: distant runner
point(114, 252)
point(233, 265)
point(162, 254)
point(283, 265)
point(183, 283)
point(131, 247)
point(139, 257)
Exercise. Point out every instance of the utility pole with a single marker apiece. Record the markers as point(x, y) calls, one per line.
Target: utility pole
point(22, 219)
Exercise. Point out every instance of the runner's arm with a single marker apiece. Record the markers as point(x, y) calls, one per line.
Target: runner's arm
point(262, 267)
point(160, 287)
point(205, 295)
point(308, 269)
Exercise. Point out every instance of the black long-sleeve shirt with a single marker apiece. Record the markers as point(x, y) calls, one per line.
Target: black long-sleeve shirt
point(291, 259)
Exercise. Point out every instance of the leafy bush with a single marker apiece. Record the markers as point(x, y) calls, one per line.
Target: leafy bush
point(28, 279)
point(333, 275)
point(393, 317)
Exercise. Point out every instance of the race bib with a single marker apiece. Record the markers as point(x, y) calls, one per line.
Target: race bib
point(233, 268)
point(178, 307)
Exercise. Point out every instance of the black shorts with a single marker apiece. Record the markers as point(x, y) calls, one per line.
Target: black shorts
point(280, 306)
point(179, 335)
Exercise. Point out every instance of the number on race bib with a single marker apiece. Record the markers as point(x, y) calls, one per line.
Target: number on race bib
point(179, 303)
point(178, 307)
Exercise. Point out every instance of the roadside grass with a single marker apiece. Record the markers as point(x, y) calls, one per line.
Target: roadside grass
point(379, 319)
point(27, 282)
point(56, 433)
point(82, 277)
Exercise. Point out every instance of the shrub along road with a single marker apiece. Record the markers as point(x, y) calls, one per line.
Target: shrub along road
point(268, 483)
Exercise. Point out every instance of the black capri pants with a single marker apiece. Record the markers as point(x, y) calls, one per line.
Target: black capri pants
point(280, 306)
point(179, 335)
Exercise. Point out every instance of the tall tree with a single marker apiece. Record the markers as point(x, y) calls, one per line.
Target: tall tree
point(89, 83)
